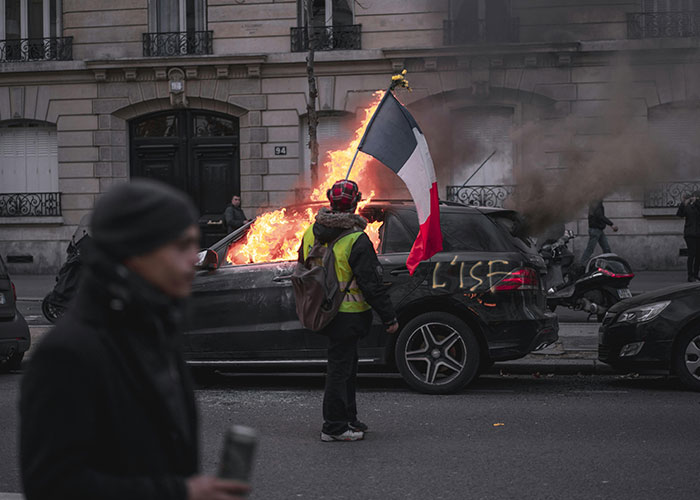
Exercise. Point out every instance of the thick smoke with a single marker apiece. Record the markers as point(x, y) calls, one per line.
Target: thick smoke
point(617, 155)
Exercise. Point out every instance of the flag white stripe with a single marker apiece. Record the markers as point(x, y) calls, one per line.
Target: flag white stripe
point(419, 175)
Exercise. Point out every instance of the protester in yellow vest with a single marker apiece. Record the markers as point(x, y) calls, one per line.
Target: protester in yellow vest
point(356, 263)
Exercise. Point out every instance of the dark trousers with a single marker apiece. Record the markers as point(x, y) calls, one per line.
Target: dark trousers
point(693, 243)
point(339, 404)
point(595, 237)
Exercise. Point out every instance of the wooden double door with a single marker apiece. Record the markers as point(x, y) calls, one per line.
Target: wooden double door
point(196, 151)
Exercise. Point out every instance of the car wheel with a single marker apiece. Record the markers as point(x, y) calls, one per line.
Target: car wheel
point(51, 311)
point(686, 359)
point(437, 353)
point(13, 363)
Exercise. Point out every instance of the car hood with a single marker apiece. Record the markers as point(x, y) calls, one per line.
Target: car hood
point(667, 293)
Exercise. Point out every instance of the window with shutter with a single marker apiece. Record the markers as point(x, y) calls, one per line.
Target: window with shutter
point(479, 131)
point(28, 159)
point(334, 132)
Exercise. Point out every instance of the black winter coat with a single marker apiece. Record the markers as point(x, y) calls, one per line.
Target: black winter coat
point(234, 217)
point(596, 216)
point(107, 406)
point(691, 212)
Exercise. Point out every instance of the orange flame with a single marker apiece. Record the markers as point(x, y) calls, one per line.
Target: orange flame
point(276, 236)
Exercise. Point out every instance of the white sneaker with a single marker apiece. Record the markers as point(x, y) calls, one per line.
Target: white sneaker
point(348, 435)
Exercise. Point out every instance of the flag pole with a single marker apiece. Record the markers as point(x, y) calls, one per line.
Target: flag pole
point(357, 150)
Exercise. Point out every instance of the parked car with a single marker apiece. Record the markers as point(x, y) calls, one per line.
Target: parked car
point(14, 332)
point(655, 332)
point(479, 301)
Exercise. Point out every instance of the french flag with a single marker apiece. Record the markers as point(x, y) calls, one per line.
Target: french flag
point(394, 138)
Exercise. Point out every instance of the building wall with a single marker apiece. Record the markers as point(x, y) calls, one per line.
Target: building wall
point(252, 75)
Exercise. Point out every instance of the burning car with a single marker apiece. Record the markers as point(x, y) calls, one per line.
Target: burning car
point(479, 301)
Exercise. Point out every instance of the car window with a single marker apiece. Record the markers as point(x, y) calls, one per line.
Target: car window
point(471, 233)
point(396, 237)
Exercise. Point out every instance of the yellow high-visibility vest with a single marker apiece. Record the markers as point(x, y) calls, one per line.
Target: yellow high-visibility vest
point(354, 301)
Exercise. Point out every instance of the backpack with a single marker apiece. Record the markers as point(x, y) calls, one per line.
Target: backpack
point(317, 292)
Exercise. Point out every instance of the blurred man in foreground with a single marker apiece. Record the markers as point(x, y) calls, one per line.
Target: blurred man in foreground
point(107, 406)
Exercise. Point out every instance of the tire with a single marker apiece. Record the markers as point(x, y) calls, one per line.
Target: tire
point(13, 363)
point(686, 358)
point(437, 353)
point(52, 312)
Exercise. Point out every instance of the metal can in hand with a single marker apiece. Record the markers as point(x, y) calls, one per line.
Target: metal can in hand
point(237, 453)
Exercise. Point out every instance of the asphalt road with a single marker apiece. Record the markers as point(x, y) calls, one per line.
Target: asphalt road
point(562, 437)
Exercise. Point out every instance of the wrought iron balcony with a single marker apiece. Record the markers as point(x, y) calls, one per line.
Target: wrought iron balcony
point(482, 196)
point(669, 194)
point(178, 43)
point(30, 205)
point(328, 38)
point(456, 33)
point(37, 49)
point(663, 24)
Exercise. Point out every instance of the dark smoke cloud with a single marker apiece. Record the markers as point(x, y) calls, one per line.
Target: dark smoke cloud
point(622, 158)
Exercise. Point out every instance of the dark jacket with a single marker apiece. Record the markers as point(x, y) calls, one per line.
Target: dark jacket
point(691, 212)
point(596, 216)
point(107, 406)
point(363, 259)
point(234, 218)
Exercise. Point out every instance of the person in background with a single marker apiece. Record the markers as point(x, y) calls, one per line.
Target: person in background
point(107, 408)
point(233, 215)
point(597, 222)
point(356, 264)
point(690, 209)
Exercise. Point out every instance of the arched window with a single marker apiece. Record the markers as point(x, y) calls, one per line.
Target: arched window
point(28, 157)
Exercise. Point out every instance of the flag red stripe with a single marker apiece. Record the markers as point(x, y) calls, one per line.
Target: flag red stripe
point(429, 240)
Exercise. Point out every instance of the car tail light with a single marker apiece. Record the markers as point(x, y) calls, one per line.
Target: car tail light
point(518, 279)
point(615, 275)
point(14, 291)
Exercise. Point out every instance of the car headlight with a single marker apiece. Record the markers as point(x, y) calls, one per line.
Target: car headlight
point(643, 313)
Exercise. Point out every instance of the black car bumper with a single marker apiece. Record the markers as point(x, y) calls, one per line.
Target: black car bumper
point(14, 336)
point(654, 354)
point(526, 336)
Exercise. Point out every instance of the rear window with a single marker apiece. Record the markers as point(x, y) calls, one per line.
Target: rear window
point(472, 233)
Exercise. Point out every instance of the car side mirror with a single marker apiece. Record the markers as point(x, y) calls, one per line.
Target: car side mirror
point(207, 260)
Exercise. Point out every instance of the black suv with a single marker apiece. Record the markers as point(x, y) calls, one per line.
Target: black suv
point(478, 301)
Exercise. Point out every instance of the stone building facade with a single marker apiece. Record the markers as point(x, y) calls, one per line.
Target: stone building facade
point(211, 96)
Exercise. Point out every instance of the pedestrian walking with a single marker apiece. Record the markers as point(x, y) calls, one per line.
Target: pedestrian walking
point(597, 222)
point(356, 264)
point(107, 407)
point(234, 217)
point(690, 209)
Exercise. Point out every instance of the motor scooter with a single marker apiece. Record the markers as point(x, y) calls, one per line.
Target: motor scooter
point(56, 301)
point(594, 287)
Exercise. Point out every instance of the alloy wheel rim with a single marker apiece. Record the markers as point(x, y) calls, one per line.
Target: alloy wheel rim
point(435, 353)
point(692, 357)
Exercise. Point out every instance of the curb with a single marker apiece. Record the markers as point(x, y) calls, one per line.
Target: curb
point(571, 364)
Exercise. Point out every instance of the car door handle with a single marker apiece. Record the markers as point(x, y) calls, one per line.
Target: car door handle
point(399, 272)
point(281, 279)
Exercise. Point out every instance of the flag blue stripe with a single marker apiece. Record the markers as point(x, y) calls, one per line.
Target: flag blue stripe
point(389, 136)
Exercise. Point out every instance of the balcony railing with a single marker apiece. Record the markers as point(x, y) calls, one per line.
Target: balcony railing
point(178, 43)
point(457, 33)
point(669, 194)
point(663, 24)
point(37, 49)
point(483, 196)
point(30, 205)
point(328, 38)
